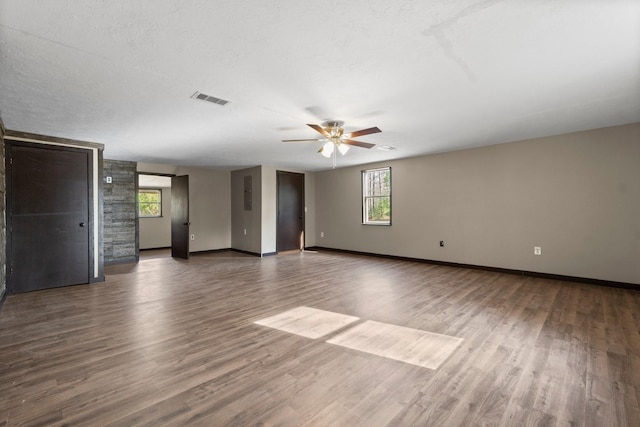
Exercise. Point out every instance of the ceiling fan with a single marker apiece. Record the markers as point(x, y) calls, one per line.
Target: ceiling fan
point(336, 139)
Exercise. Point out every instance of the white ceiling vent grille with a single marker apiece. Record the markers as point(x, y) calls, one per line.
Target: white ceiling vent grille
point(208, 98)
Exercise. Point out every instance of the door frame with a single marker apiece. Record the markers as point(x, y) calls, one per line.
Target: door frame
point(91, 203)
point(302, 195)
point(138, 173)
point(168, 175)
point(96, 204)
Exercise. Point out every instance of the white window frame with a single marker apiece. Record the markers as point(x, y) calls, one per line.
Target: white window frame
point(149, 190)
point(366, 197)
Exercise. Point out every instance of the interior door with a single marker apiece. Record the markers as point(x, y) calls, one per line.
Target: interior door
point(48, 216)
point(180, 216)
point(290, 225)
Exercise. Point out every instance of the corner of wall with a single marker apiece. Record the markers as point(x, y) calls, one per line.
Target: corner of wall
point(269, 209)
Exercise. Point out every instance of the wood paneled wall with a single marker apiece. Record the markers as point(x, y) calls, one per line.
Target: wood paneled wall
point(121, 242)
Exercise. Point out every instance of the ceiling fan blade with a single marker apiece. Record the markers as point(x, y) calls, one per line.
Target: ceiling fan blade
point(301, 140)
point(358, 143)
point(320, 130)
point(364, 132)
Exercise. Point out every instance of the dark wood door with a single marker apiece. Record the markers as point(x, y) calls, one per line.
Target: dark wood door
point(290, 226)
point(180, 216)
point(48, 216)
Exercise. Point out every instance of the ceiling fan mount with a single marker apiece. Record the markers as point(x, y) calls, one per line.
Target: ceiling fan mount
point(334, 127)
point(335, 139)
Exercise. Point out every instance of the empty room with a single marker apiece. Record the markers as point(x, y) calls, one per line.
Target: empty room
point(287, 213)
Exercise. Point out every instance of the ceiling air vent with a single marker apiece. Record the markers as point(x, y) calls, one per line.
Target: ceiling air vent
point(208, 98)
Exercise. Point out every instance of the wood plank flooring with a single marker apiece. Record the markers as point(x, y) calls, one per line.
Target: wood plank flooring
point(173, 342)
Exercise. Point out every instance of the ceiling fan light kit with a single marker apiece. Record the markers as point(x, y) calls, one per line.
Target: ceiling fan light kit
point(327, 149)
point(335, 138)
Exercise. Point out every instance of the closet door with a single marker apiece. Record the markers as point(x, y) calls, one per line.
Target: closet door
point(47, 216)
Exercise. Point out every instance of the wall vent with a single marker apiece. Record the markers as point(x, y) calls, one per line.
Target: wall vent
point(208, 98)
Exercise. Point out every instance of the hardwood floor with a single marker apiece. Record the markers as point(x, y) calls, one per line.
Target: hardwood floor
point(173, 342)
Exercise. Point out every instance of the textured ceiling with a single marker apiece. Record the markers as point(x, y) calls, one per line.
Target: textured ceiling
point(433, 75)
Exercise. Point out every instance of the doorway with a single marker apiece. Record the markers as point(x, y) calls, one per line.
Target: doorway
point(164, 231)
point(290, 215)
point(154, 215)
point(49, 217)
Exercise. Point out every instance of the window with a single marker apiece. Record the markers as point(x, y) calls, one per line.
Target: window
point(376, 196)
point(149, 203)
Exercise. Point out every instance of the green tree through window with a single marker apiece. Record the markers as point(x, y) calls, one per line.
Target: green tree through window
point(376, 196)
point(149, 202)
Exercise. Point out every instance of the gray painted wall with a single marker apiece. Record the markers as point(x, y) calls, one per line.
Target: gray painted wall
point(120, 212)
point(242, 219)
point(575, 195)
point(156, 232)
point(310, 209)
point(209, 207)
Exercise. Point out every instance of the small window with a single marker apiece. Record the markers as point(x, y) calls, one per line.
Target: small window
point(149, 203)
point(376, 196)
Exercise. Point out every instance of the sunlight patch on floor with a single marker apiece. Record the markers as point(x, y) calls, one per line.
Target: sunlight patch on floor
point(413, 346)
point(407, 345)
point(308, 322)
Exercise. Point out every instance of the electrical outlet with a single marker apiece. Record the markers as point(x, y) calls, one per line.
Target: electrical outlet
point(322, 234)
point(109, 180)
point(537, 250)
point(193, 237)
